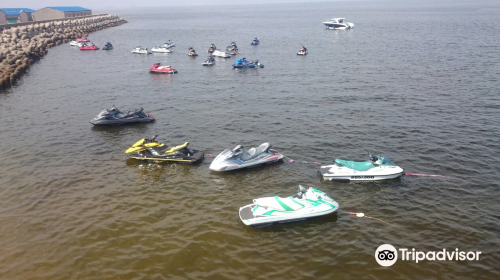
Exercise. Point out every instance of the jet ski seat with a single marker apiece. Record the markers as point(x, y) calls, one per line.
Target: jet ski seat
point(356, 165)
point(177, 148)
point(279, 203)
point(254, 152)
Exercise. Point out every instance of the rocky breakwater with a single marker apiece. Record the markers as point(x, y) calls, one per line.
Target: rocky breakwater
point(22, 45)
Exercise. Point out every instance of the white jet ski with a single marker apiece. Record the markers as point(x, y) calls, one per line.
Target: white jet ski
point(237, 158)
point(161, 49)
point(377, 168)
point(306, 204)
point(76, 44)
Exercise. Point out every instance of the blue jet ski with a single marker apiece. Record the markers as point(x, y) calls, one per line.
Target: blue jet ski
point(255, 41)
point(244, 63)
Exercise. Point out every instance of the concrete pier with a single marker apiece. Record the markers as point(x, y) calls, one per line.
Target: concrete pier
point(23, 44)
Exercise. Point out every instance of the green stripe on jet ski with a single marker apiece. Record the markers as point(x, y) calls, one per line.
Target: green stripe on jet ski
point(255, 208)
point(297, 202)
point(286, 207)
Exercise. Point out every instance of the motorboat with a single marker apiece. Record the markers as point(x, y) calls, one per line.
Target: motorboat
point(82, 40)
point(161, 49)
point(244, 63)
point(376, 168)
point(255, 41)
point(302, 51)
point(114, 116)
point(212, 48)
point(140, 50)
point(338, 23)
point(158, 68)
point(169, 44)
point(150, 150)
point(209, 62)
point(89, 47)
point(76, 43)
point(218, 53)
point(238, 158)
point(192, 52)
point(108, 46)
point(305, 205)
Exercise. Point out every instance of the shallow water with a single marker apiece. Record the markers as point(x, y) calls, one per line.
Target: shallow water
point(411, 82)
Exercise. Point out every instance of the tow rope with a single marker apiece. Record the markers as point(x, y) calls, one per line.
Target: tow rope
point(362, 215)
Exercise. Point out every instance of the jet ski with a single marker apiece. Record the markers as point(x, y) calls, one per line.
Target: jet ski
point(233, 52)
point(302, 51)
point(160, 49)
point(114, 116)
point(82, 40)
point(108, 46)
point(233, 45)
point(140, 50)
point(305, 205)
point(192, 52)
point(212, 48)
point(255, 41)
point(157, 68)
point(237, 158)
point(89, 47)
point(244, 63)
point(377, 168)
point(209, 62)
point(150, 150)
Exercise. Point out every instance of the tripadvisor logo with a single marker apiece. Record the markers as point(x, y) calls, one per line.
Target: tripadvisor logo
point(387, 255)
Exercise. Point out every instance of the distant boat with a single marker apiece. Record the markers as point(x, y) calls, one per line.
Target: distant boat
point(338, 23)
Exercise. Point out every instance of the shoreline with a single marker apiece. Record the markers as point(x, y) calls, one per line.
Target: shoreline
point(25, 43)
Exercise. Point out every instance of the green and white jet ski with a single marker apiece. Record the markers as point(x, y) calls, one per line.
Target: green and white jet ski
point(306, 204)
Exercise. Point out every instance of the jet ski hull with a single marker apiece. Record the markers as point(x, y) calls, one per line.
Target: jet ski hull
point(195, 157)
point(336, 172)
point(262, 213)
point(220, 164)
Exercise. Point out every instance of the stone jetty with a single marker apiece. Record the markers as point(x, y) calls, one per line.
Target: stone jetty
point(22, 45)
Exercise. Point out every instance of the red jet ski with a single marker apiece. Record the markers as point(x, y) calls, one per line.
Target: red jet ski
point(157, 68)
point(90, 47)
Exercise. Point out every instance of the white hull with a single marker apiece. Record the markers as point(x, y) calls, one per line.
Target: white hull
point(161, 50)
point(335, 172)
point(221, 54)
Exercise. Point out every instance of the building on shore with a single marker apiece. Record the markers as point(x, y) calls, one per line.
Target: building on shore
point(50, 13)
point(16, 15)
point(3, 19)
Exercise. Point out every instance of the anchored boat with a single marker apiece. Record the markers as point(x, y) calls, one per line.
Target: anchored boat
point(377, 168)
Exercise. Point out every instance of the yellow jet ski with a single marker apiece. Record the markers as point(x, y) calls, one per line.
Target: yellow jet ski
point(151, 150)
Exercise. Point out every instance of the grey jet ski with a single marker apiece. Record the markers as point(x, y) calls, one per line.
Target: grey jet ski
point(238, 158)
point(114, 116)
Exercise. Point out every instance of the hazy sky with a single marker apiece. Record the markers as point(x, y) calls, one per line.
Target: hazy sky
point(99, 4)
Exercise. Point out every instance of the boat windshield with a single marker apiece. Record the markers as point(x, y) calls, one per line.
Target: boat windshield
point(341, 21)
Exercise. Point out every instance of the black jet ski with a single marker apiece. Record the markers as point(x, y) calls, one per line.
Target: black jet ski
point(150, 150)
point(108, 46)
point(114, 116)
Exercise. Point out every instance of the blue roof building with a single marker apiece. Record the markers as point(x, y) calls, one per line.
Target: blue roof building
point(15, 15)
point(50, 13)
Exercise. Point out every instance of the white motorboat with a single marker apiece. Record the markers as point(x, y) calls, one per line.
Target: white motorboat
point(76, 44)
point(305, 205)
point(377, 168)
point(161, 49)
point(140, 50)
point(169, 44)
point(338, 23)
point(221, 54)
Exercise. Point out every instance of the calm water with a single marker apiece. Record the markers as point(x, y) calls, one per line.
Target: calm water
point(416, 82)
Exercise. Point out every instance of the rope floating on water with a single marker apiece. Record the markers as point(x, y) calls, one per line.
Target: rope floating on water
point(427, 175)
point(362, 215)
